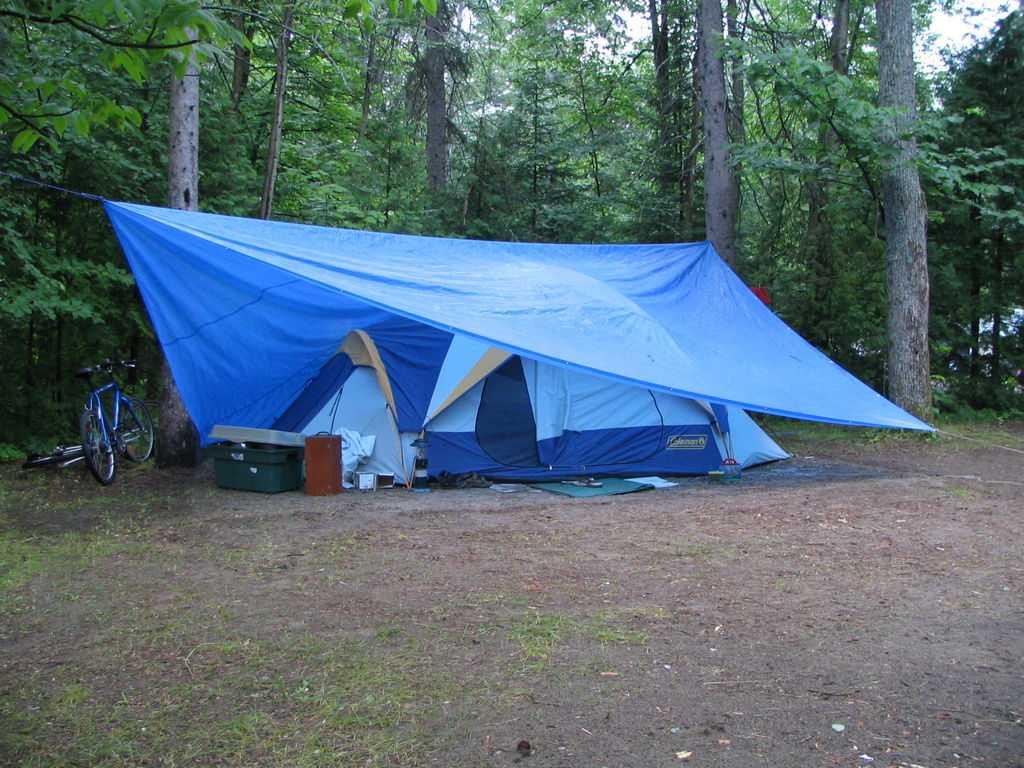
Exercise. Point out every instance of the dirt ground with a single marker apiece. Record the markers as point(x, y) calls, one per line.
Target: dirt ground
point(860, 604)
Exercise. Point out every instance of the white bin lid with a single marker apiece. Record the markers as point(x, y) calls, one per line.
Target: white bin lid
point(250, 435)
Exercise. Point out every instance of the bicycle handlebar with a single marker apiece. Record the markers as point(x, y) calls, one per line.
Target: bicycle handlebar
point(109, 365)
point(106, 366)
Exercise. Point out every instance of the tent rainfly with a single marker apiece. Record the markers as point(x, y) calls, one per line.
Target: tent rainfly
point(519, 360)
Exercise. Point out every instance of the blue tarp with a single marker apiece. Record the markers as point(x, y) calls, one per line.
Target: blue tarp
point(248, 311)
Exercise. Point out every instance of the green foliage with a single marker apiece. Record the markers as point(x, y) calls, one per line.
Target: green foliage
point(10, 452)
point(555, 133)
point(974, 154)
point(47, 89)
point(814, 131)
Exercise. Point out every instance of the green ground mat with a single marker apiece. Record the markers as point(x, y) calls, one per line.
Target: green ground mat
point(610, 486)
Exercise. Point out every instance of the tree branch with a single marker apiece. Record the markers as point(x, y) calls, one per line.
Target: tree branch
point(26, 119)
point(99, 33)
point(290, 29)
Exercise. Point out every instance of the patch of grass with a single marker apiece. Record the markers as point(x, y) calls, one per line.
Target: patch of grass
point(989, 431)
point(22, 558)
point(961, 492)
point(341, 548)
point(300, 701)
point(648, 612)
point(617, 636)
point(538, 635)
point(388, 632)
point(247, 559)
point(785, 584)
point(693, 551)
point(268, 553)
point(10, 452)
point(795, 433)
point(697, 552)
point(28, 731)
point(803, 435)
point(608, 628)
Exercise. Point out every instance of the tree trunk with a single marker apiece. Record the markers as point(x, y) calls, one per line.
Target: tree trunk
point(595, 165)
point(177, 440)
point(58, 357)
point(242, 63)
point(665, 154)
point(975, 309)
point(368, 78)
point(535, 149)
point(437, 114)
point(736, 133)
point(997, 314)
point(721, 192)
point(840, 38)
point(906, 253)
point(30, 379)
point(277, 119)
point(387, 184)
point(688, 176)
point(818, 240)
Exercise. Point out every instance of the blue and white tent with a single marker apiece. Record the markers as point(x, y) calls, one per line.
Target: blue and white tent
point(503, 415)
point(518, 360)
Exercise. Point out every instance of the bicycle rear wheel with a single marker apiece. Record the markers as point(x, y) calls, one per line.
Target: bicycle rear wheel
point(100, 456)
point(136, 432)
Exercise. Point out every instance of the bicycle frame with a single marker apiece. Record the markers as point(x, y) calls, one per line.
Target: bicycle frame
point(95, 403)
point(113, 424)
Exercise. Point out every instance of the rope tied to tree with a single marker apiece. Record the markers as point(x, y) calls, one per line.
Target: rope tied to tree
point(55, 187)
point(981, 442)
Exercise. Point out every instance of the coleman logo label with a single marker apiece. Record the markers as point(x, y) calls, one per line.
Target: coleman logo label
point(687, 442)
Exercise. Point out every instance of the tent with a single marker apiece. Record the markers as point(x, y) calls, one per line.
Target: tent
point(503, 415)
point(517, 360)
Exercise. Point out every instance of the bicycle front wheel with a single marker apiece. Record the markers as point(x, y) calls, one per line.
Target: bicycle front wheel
point(100, 456)
point(136, 432)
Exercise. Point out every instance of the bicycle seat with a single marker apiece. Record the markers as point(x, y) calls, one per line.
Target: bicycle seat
point(83, 373)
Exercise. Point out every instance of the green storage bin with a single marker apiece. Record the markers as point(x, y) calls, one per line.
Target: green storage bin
point(261, 468)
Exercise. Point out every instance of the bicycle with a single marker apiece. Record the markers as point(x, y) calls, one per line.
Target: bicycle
point(62, 456)
point(129, 432)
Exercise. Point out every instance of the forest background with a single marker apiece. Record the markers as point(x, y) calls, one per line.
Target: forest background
point(531, 120)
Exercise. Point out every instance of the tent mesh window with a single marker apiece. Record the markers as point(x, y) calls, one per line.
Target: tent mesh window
point(505, 427)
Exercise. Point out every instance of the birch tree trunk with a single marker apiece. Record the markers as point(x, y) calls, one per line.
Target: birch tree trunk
point(437, 114)
point(721, 191)
point(906, 254)
point(277, 118)
point(177, 440)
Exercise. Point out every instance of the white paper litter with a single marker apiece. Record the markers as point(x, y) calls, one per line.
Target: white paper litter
point(657, 482)
point(509, 487)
